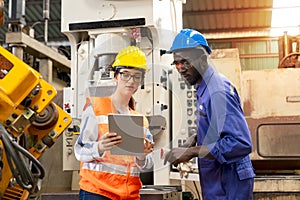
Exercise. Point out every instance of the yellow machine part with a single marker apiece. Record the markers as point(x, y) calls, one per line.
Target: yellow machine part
point(9, 192)
point(27, 108)
point(15, 192)
point(46, 137)
point(18, 81)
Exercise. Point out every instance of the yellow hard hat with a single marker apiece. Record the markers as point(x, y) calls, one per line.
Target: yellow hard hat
point(131, 56)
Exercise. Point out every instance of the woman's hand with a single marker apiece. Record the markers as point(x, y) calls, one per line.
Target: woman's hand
point(108, 141)
point(148, 148)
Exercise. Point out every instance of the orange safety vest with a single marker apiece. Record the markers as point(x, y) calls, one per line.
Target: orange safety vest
point(113, 176)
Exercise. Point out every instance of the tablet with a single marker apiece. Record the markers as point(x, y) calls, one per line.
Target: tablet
point(131, 128)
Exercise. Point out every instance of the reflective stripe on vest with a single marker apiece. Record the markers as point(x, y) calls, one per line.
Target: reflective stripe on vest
point(111, 168)
point(102, 119)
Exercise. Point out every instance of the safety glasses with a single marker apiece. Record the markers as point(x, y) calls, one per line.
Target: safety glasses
point(126, 76)
point(182, 64)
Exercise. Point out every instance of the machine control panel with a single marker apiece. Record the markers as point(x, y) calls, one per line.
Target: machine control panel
point(184, 111)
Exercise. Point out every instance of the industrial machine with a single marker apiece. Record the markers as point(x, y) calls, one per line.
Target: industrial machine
point(101, 28)
point(96, 33)
point(289, 51)
point(30, 120)
point(271, 100)
point(30, 123)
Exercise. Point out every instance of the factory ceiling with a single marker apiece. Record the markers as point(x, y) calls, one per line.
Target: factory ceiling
point(230, 18)
point(34, 19)
point(214, 18)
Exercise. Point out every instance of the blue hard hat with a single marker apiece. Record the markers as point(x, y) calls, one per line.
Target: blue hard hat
point(188, 38)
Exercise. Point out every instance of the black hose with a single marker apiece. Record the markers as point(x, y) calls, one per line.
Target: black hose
point(21, 172)
point(36, 163)
point(13, 159)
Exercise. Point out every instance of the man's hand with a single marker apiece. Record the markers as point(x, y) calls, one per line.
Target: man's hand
point(108, 141)
point(191, 141)
point(178, 155)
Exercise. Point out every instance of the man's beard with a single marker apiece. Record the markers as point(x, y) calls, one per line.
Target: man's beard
point(190, 82)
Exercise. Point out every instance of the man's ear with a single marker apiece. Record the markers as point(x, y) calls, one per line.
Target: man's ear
point(203, 59)
point(203, 64)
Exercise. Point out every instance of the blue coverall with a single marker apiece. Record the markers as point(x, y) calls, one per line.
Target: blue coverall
point(223, 128)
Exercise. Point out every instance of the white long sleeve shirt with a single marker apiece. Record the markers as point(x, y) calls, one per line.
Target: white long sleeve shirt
point(86, 146)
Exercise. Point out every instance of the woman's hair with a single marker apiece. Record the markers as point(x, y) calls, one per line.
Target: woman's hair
point(131, 103)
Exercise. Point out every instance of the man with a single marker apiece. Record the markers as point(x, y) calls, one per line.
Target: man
point(223, 138)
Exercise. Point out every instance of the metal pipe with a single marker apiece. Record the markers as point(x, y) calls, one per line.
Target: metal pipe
point(46, 15)
point(285, 44)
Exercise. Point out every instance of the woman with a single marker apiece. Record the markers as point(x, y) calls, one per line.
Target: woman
point(103, 175)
